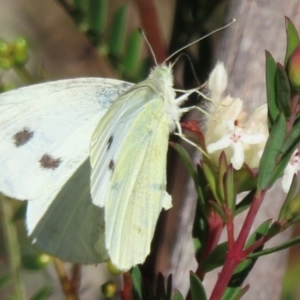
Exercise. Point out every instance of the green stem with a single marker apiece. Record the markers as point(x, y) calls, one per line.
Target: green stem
point(12, 247)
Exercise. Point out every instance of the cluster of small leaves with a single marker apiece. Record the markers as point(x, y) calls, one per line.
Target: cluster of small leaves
point(112, 40)
point(141, 290)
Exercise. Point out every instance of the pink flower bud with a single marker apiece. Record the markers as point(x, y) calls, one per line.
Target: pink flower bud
point(293, 68)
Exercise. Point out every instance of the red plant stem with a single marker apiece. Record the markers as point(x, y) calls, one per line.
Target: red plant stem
point(75, 278)
point(230, 229)
point(236, 254)
point(152, 29)
point(215, 225)
point(127, 287)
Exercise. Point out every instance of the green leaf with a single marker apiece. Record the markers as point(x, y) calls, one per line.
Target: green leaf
point(245, 203)
point(271, 67)
point(235, 293)
point(118, 29)
point(42, 293)
point(292, 39)
point(197, 289)
point(283, 91)
point(272, 149)
point(211, 180)
point(137, 283)
point(279, 169)
point(280, 247)
point(4, 280)
point(200, 231)
point(133, 53)
point(293, 139)
point(97, 12)
point(230, 193)
point(285, 207)
point(178, 296)
point(186, 159)
point(222, 171)
point(216, 258)
point(245, 179)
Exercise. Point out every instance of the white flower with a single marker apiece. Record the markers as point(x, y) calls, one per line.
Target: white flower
point(227, 128)
point(235, 138)
point(217, 81)
point(292, 168)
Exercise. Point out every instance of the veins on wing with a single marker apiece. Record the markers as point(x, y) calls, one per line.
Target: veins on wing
point(22, 137)
point(49, 162)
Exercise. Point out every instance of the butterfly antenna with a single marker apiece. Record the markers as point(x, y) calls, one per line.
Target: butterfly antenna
point(149, 46)
point(190, 64)
point(203, 37)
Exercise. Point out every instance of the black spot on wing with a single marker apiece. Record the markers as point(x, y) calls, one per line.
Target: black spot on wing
point(49, 162)
point(111, 165)
point(110, 140)
point(22, 137)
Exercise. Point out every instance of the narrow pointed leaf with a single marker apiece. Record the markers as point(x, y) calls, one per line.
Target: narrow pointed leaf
point(216, 258)
point(118, 29)
point(97, 12)
point(292, 39)
point(235, 293)
point(133, 53)
point(222, 172)
point(272, 149)
point(197, 289)
point(280, 247)
point(137, 283)
point(178, 296)
point(186, 159)
point(283, 91)
point(211, 180)
point(285, 207)
point(230, 193)
point(271, 68)
point(293, 139)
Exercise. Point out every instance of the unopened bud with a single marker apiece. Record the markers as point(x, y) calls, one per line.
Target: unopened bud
point(293, 69)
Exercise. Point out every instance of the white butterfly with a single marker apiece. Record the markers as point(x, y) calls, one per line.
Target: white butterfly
point(45, 134)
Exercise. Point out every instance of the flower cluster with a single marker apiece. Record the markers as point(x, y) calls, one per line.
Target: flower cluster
point(227, 128)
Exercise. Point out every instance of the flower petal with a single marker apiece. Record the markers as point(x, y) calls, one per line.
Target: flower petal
point(222, 143)
point(238, 157)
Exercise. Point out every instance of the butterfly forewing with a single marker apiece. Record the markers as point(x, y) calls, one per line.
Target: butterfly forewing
point(135, 191)
point(45, 132)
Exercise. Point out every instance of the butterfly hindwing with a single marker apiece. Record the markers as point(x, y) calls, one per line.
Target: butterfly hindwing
point(71, 225)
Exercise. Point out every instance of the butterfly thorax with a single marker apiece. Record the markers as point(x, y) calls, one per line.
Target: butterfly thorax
point(163, 77)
